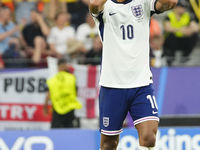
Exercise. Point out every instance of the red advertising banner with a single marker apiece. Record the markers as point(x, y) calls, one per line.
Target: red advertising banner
point(23, 92)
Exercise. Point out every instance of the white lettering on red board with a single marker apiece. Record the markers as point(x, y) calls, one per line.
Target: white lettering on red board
point(16, 111)
point(22, 112)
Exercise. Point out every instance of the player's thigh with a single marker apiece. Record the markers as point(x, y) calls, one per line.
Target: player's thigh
point(113, 110)
point(147, 132)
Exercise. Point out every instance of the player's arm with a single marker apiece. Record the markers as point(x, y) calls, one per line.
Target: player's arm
point(45, 106)
point(96, 6)
point(164, 5)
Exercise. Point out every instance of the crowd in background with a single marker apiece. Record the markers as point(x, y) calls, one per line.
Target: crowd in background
point(32, 30)
point(180, 34)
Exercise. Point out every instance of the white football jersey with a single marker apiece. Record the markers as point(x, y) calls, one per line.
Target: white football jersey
point(124, 30)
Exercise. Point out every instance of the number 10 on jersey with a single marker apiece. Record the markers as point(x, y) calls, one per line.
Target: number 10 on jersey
point(127, 32)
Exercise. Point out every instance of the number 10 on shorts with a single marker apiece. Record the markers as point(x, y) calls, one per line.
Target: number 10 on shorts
point(152, 100)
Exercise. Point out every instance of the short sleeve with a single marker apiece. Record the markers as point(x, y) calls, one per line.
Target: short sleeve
point(97, 15)
point(101, 12)
point(152, 6)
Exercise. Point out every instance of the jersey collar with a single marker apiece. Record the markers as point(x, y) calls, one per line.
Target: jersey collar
point(125, 2)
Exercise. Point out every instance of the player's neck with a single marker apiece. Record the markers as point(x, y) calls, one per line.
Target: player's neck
point(120, 1)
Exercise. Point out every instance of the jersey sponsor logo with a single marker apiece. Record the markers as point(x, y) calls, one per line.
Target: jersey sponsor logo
point(111, 14)
point(137, 11)
point(154, 112)
point(105, 121)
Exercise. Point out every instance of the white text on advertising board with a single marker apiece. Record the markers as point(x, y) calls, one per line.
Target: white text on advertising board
point(27, 143)
point(165, 142)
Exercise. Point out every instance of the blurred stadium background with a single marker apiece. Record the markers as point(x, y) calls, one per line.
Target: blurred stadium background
point(24, 69)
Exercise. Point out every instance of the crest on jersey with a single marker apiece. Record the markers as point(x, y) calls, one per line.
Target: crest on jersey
point(105, 121)
point(137, 11)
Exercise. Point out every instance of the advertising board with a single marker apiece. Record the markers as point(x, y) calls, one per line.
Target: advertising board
point(78, 139)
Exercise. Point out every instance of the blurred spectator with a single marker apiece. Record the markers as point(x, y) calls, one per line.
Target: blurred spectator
point(8, 3)
point(52, 8)
point(14, 57)
point(181, 34)
point(34, 35)
point(78, 10)
point(156, 43)
point(61, 38)
point(93, 57)
point(1, 62)
point(86, 32)
point(23, 9)
point(7, 29)
point(62, 92)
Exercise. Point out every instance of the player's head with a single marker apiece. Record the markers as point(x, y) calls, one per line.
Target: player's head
point(62, 65)
point(180, 8)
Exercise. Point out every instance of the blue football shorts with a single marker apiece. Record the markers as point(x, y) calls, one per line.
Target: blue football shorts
point(114, 104)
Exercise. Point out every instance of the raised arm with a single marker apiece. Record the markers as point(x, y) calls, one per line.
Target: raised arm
point(44, 27)
point(96, 6)
point(164, 5)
